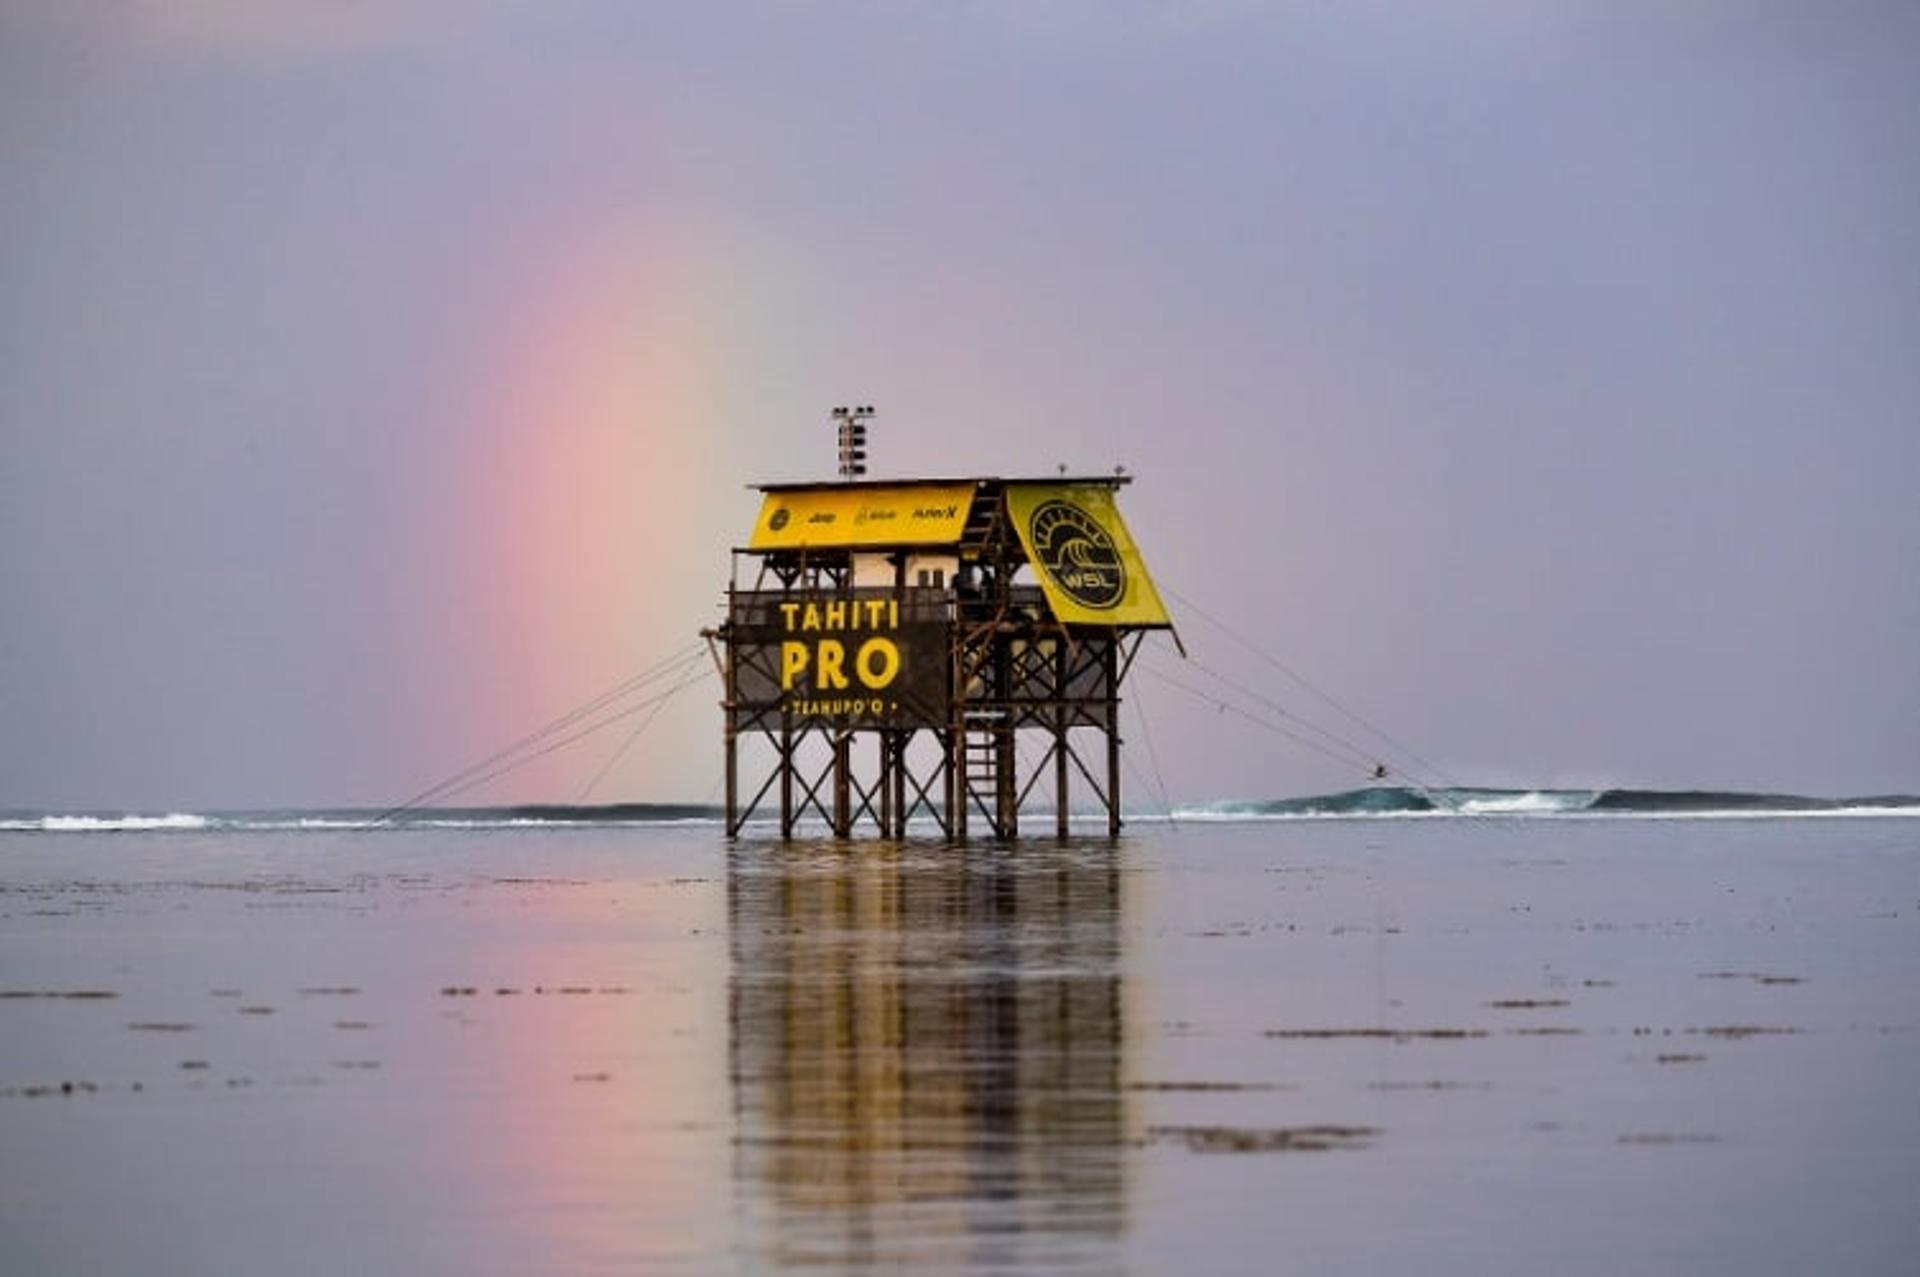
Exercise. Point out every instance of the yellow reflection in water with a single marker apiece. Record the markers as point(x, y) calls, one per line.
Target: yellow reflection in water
point(927, 1046)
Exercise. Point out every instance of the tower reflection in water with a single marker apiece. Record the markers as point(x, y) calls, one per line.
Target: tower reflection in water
point(926, 1050)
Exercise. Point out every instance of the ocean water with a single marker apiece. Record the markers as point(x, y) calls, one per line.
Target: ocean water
point(1558, 1038)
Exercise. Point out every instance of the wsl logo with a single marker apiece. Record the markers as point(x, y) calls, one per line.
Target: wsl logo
point(1078, 554)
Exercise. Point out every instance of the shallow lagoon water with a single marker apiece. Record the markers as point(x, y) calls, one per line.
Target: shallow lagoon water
point(1360, 1045)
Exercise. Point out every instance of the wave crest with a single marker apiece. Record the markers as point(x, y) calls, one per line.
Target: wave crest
point(1395, 800)
point(81, 824)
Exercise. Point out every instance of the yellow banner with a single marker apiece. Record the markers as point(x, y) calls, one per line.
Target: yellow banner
point(917, 514)
point(1086, 561)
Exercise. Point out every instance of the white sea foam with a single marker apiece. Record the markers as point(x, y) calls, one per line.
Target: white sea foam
point(1231, 814)
point(1455, 805)
point(1238, 815)
point(1532, 803)
point(113, 824)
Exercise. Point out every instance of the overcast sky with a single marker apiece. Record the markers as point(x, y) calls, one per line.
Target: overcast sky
point(378, 381)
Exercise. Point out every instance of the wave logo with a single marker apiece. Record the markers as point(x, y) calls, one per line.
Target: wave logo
point(779, 519)
point(1078, 555)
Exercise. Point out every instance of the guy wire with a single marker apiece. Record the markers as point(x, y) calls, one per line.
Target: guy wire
point(639, 728)
point(1303, 681)
point(1153, 757)
point(668, 665)
point(653, 702)
point(1345, 755)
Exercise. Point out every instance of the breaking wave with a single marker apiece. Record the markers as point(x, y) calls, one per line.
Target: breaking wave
point(1389, 801)
point(351, 818)
point(59, 824)
point(1381, 802)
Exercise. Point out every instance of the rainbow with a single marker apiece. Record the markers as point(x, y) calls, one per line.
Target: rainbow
point(585, 394)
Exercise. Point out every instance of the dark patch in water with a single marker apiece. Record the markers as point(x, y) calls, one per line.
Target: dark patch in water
point(162, 1026)
point(75, 995)
point(42, 1091)
point(1527, 1004)
point(1390, 1035)
point(1211, 1087)
point(1286, 1139)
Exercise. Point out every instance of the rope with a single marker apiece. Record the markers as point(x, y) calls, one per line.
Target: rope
point(1344, 757)
point(455, 783)
point(1332, 744)
point(1406, 751)
point(586, 791)
point(651, 703)
point(1331, 738)
point(1153, 757)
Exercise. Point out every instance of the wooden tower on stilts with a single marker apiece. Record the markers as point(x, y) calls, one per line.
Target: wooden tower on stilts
point(947, 649)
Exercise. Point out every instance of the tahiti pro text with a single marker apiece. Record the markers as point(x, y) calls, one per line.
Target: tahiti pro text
point(874, 661)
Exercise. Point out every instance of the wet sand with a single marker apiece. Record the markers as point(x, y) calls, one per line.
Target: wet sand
point(1402, 1045)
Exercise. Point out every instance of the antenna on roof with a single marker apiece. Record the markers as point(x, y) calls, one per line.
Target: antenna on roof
point(853, 440)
